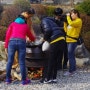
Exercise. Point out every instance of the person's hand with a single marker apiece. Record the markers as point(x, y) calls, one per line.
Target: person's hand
point(28, 40)
point(41, 40)
point(68, 14)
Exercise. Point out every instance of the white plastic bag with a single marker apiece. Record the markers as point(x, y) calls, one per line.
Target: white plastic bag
point(45, 46)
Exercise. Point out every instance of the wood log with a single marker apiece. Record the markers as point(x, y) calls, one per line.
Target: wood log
point(1, 72)
point(16, 75)
point(15, 64)
point(2, 76)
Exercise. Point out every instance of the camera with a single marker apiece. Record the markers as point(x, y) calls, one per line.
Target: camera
point(64, 18)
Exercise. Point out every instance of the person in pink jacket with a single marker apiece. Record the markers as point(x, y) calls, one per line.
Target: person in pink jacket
point(16, 41)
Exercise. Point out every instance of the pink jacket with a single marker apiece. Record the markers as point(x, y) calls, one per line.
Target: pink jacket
point(16, 30)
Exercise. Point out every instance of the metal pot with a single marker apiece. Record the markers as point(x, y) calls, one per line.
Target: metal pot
point(34, 56)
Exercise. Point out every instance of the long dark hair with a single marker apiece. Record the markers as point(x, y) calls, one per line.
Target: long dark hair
point(76, 12)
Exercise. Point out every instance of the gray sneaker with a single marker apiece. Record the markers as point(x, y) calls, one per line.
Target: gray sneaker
point(69, 74)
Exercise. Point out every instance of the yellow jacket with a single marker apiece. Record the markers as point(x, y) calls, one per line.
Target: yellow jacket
point(73, 29)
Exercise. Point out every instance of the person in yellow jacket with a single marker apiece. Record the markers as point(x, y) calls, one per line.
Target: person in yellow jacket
point(72, 30)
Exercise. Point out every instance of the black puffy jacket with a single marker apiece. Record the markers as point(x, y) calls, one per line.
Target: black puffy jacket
point(52, 28)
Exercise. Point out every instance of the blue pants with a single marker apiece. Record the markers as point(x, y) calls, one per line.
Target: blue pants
point(19, 45)
point(71, 56)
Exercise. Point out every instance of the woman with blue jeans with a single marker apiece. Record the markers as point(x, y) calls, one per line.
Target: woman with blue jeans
point(72, 29)
point(16, 41)
point(16, 44)
point(71, 56)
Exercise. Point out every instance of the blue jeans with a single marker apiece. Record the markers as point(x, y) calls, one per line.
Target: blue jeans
point(19, 45)
point(71, 56)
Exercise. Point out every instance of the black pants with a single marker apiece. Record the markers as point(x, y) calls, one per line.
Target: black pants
point(63, 56)
point(55, 50)
point(45, 66)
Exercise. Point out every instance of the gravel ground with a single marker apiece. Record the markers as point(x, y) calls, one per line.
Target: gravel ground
point(80, 81)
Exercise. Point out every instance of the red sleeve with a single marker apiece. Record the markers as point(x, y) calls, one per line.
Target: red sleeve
point(8, 35)
point(30, 35)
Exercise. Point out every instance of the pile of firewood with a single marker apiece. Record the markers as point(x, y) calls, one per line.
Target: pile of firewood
point(32, 73)
point(2, 75)
point(35, 73)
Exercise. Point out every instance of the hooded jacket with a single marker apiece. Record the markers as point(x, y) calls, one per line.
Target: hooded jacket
point(52, 30)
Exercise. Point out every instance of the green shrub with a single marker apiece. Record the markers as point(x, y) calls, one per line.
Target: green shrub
point(84, 7)
point(35, 20)
point(50, 10)
point(12, 11)
point(2, 33)
point(87, 40)
point(80, 9)
point(1, 8)
point(9, 15)
point(40, 10)
point(86, 30)
point(86, 23)
point(22, 4)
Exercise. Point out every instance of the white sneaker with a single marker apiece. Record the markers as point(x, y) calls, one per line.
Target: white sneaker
point(49, 81)
point(54, 80)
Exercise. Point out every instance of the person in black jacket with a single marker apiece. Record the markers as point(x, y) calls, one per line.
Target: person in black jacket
point(63, 57)
point(55, 35)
